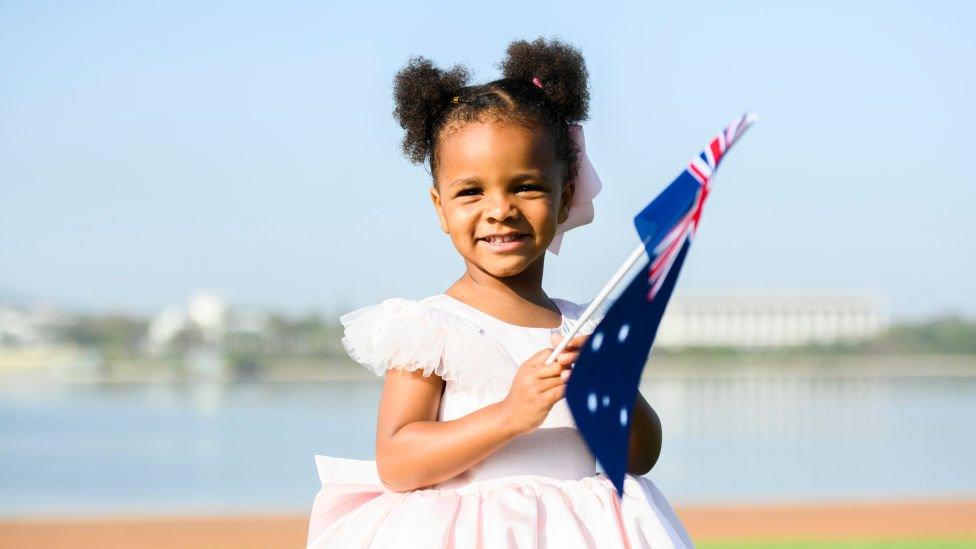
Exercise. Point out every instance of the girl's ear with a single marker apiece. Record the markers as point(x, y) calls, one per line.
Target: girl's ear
point(435, 197)
point(565, 200)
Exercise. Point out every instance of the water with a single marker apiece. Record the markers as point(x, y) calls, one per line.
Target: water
point(136, 449)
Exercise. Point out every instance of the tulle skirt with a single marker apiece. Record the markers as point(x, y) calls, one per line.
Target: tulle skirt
point(353, 509)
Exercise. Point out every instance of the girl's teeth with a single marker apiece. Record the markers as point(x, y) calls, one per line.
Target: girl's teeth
point(498, 239)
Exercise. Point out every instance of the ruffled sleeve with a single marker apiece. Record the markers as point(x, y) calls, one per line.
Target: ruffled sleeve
point(410, 335)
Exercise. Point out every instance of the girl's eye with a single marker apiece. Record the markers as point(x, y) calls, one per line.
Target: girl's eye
point(474, 190)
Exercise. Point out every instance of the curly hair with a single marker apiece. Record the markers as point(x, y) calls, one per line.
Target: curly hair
point(429, 101)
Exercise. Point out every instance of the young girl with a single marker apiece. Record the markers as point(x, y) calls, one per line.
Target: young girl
point(475, 445)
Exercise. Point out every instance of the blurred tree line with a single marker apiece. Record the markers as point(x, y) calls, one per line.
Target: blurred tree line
point(947, 335)
point(119, 337)
point(114, 336)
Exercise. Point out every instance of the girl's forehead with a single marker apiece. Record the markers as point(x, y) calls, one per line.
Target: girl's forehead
point(493, 146)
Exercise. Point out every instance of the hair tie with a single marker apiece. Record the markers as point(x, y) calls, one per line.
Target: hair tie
point(536, 81)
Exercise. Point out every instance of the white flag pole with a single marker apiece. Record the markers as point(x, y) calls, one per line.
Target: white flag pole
point(600, 298)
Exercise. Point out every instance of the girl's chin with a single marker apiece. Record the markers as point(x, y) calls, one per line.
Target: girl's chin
point(505, 266)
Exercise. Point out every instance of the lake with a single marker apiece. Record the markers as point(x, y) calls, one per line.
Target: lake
point(739, 435)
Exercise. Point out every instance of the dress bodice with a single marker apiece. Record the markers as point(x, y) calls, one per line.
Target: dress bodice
point(555, 449)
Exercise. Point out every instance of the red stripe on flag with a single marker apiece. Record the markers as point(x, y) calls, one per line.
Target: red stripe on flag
point(662, 258)
point(716, 151)
point(661, 271)
point(696, 210)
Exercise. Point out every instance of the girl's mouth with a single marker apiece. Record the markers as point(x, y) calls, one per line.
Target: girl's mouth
point(505, 243)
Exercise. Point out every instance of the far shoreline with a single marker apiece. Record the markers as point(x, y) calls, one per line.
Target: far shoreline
point(669, 366)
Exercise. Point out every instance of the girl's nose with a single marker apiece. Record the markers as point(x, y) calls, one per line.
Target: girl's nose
point(500, 207)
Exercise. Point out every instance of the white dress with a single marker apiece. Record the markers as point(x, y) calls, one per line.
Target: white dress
point(540, 490)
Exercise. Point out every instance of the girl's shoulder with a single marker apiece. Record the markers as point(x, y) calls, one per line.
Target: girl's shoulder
point(439, 336)
point(408, 334)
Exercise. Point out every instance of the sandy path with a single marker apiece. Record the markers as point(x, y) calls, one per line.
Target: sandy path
point(168, 533)
point(838, 521)
point(842, 521)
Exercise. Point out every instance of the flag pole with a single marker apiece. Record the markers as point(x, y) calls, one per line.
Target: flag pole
point(600, 298)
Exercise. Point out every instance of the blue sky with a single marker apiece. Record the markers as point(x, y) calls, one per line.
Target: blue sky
point(147, 152)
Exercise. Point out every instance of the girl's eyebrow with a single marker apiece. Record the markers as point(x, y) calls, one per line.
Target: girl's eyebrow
point(523, 175)
point(530, 175)
point(463, 180)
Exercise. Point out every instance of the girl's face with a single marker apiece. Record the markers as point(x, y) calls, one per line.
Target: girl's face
point(500, 194)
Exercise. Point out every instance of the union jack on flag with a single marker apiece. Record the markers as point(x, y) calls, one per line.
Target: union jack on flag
point(603, 387)
point(684, 200)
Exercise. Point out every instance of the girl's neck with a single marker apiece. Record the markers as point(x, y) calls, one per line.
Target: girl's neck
point(519, 297)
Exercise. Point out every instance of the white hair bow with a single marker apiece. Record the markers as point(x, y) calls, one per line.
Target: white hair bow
point(588, 185)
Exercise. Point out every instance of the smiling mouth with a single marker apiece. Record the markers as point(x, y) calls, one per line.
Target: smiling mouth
point(504, 244)
point(496, 240)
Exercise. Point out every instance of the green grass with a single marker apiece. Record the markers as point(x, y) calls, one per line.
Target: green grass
point(849, 544)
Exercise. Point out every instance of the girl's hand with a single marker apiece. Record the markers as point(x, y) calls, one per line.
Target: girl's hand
point(573, 347)
point(538, 386)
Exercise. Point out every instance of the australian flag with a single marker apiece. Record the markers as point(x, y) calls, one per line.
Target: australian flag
point(603, 387)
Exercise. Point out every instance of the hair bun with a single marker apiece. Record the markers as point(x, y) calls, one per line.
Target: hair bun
point(421, 91)
point(558, 66)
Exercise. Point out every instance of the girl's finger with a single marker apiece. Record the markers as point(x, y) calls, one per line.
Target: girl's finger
point(555, 393)
point(577, 342)
point(549, 383)
point(550, 370)
point(574, 344)
point(563, 361)
point(568, 358)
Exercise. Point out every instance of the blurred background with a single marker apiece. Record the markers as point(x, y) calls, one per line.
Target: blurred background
point(190, 196)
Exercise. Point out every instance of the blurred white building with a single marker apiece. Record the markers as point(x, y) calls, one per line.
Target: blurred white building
point(209, 314)
point(29, 346)
point(27, 325)
point(206, 314)
point(770, 319)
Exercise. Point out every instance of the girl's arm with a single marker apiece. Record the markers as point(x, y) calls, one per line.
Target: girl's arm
point(645, 438)
point(414, 450)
